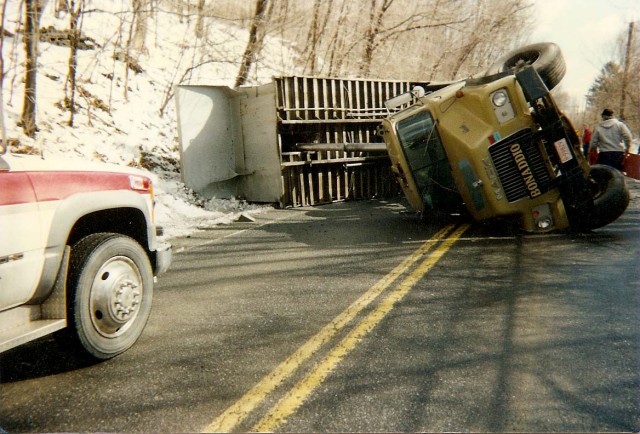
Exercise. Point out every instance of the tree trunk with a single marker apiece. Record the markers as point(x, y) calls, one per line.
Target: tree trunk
point(32, 20)
point(3, 130)
point(316, 31)
point(335, 51)
point(73, 58)
point(200, 20)
point(60, 6)
point(253, 46)
point(625, 76)
point(375, 23)
point(140, 14)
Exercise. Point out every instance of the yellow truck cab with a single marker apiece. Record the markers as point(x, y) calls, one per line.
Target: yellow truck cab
point(498, 146)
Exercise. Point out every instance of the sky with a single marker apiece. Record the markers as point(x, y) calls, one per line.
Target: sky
point(586, 31)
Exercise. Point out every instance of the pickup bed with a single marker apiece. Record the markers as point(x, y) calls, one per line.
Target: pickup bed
point(78, 253)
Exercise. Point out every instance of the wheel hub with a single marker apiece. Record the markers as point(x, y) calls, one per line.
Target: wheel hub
point(126, 300)
point(522, 61)
point(116, 295)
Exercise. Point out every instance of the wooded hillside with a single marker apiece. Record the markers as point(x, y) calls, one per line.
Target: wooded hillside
point(251, 40)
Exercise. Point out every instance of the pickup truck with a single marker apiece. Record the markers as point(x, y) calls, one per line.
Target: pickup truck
point(496, 146)
point(79, 253)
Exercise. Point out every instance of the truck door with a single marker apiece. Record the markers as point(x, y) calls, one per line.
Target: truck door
point(21, 241)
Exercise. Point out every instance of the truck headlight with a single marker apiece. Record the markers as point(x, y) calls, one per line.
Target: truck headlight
point(502, 106)
point(542, 217)
point(544, 223)
point(499, 98)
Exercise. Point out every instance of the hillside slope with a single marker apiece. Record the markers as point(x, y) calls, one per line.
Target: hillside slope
point(118, 117)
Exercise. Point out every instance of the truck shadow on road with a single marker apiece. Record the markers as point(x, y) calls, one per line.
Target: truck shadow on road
point(41, 358)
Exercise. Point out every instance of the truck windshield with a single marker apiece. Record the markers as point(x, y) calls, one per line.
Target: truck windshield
point(425, 154)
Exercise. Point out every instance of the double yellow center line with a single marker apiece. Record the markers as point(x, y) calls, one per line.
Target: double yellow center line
point(292, 400)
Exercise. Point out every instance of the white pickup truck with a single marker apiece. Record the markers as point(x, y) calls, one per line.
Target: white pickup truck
point(78, 253)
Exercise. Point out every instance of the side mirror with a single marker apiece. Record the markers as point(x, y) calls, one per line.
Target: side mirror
point(404, 98)
point(418, 91)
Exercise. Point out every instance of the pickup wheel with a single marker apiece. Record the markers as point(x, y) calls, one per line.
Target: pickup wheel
point(610, 195)
point(545, 57)
point(109, 292)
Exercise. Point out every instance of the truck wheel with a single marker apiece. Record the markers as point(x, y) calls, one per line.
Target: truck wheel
point(610, 195)
point(109, 295)
point(545, 57)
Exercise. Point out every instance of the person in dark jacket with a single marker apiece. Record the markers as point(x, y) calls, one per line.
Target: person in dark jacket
point(586, 139)
point(613, 139)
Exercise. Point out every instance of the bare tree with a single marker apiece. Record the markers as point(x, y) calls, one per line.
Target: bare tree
point(609, 86)
point(200, 20)
point(254, 45)
point(316, 31)
point(125, 58)
point(446, 39)
point(627, 67)
point(33, 9)
point(74, 12)
point(335, 50)
point(407, 25)
point(490, 20)
point(141, 12)
point(389, 38)
point(3, 130)
point(60, 6)
point(377, 13)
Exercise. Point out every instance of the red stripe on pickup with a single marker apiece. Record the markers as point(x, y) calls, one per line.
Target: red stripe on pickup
point(15, 187)
point(59, 185)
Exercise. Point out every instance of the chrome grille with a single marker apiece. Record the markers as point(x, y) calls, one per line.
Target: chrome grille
point(510, 175)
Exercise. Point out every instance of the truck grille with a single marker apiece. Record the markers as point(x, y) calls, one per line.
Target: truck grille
point(520, 166)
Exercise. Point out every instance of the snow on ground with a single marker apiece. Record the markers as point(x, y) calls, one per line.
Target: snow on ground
point(118, 120)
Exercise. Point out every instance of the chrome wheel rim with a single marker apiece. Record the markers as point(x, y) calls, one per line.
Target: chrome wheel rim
point(115, 297)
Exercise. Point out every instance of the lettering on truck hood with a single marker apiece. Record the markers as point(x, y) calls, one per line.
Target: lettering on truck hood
point(525, 170)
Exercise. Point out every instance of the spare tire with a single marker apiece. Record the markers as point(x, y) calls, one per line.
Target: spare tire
point(545, 57)
point(610, 195)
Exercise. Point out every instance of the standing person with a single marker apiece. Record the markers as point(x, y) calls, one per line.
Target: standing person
point(613, 139)
point(586, 139)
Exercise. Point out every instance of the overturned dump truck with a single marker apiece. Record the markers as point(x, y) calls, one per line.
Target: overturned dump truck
point(497, 146)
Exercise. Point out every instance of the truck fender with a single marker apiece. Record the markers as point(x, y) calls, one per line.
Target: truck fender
point(67, 214)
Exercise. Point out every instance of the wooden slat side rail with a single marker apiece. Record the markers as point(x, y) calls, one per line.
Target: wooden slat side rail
point(338, 119)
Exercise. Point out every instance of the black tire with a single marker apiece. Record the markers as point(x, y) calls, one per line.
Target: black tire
point(545, 57)
point(110, 289)
point(610, 195)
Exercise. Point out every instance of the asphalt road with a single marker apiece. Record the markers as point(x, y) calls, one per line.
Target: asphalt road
point(359, 317)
